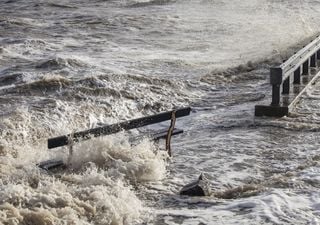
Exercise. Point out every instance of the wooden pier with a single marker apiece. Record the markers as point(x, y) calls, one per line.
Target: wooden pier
point(290, 79)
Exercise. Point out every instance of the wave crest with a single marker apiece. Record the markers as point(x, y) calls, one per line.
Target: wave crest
point(60, 63)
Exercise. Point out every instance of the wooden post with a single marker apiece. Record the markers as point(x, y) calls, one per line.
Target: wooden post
point(286, 86)
point(297, 76)
point(168, 139)
point(275, 95)
point(305, 67)
point(276, 77)
point(313, 62)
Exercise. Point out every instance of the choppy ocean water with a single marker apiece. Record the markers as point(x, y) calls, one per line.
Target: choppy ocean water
point(71, 65)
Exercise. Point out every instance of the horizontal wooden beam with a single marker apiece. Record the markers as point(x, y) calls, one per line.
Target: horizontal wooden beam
point(271, 111)
point(155, 135)
point(51, 164)
point(163, 134)
point(115, 128)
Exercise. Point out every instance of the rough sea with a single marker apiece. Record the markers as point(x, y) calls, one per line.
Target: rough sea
point(71, 65)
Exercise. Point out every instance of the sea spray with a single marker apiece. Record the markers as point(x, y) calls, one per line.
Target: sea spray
point(95, 189)
point(143, 162)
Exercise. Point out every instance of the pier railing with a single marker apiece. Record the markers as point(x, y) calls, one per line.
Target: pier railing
point(290, 79)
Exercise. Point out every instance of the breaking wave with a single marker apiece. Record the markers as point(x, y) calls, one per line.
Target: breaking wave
point(97, 188)
point(252, 71)
point(60, 63)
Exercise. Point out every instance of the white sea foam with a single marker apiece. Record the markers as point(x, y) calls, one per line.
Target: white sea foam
point(138, 163)
point(275, 207)
point(85, 198)
point(95, 190)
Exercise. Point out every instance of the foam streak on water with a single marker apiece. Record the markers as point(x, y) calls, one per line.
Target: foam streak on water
point(69, 65)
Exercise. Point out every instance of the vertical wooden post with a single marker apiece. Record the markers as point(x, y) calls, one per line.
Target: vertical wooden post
point(275, 95)
point(168, 139)
point(305, 67)
point(297, 76)
point(286, 86)
point(276, 77)
point(313, 62)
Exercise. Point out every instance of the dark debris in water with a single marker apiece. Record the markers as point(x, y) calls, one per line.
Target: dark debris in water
point(11, 79)
point(150, 3)
point(56, 5)
point(52, 165)
point(201, 187)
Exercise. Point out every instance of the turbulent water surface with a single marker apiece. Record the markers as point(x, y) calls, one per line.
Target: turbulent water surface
point(68, 65)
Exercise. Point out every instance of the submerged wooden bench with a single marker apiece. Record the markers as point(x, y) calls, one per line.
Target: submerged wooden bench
point(71, 139)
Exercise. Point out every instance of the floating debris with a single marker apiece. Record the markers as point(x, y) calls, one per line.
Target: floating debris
point(201, 187)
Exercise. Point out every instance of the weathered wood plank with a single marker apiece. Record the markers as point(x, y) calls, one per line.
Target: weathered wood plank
point(51, 164)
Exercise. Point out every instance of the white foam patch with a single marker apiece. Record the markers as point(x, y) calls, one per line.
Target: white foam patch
point(311, 176)
point(87, 198)
point(138, 163)
point(28, 49)
point(274, 207)
point(97, 192)
point(94, 190)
